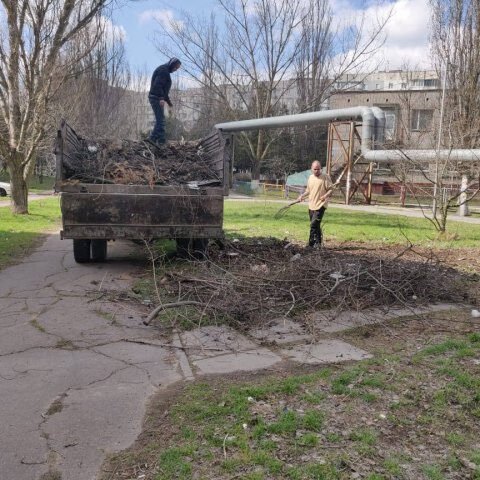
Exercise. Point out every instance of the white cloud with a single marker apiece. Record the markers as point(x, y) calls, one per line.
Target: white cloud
point(163, 16)
point(112, 31)
point(406, 33)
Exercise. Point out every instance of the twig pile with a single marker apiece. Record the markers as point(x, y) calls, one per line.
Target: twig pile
point(252, 282)
point(139, 163)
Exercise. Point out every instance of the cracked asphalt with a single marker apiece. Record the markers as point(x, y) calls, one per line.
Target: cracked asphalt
point(76, 369)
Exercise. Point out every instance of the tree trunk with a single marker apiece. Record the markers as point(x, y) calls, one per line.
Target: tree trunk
point(19, 189)
point(255, 169)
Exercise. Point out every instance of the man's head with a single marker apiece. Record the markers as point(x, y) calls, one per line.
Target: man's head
point(316, 168)
point(174, 64)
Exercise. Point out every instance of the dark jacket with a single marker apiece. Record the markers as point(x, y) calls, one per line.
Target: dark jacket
point(161, 81)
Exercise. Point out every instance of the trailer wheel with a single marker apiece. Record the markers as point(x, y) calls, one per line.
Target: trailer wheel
point(3, 192)
point(81, 250)
point(99, 250)
point(183, 247)
point(199, 247)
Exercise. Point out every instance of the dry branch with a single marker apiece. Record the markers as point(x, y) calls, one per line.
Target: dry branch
point(140, 163)
point(263, 281)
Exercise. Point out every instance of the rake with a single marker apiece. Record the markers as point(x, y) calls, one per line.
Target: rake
point(284, 209)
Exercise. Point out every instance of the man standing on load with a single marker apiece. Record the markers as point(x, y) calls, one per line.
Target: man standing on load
point(318, 192)
point(158, 96)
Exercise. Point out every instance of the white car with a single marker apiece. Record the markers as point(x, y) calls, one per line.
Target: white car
point(4, 189)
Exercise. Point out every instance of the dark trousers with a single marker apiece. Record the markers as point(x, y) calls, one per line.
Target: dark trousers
point(315, 229)
point(158, 132)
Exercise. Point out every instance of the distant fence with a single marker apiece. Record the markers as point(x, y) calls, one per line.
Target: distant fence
point(272, 187)
point(245, 188)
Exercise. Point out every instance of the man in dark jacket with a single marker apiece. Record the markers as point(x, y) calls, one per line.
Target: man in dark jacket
point(158, 96)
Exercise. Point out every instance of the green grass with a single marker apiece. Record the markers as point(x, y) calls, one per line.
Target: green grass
point(18, 233)
point(256, 218)
point(268, 428)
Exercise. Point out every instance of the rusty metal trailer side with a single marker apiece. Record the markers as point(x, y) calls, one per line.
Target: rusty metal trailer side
point(94, 213)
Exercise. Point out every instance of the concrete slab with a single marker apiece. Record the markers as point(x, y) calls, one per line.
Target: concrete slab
point(326, 351)
point(330, 321)
point(157, 362)
point(238, 362)
point(281, 331)
point(211, 341)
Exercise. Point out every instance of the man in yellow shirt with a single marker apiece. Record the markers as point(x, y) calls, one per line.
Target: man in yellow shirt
point(318, 192)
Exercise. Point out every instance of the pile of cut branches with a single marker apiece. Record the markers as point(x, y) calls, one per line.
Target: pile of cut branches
point(255, 281)
point(139, 163)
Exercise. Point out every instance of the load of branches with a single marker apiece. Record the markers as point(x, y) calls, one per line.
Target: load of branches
point(255, 281)
point(130, 162)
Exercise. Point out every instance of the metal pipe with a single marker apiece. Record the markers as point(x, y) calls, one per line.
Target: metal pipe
point(385, 156)
point(373, 133)
point(320, 117)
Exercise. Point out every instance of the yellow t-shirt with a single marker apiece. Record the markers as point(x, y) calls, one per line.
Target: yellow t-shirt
point(316, 188)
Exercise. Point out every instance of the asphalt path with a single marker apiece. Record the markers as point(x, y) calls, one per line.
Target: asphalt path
point(76, 368)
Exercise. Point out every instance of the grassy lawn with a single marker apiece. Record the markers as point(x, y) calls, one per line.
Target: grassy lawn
point(411, 412)
point(18, 233)
point(247, 219)
point(257, 219)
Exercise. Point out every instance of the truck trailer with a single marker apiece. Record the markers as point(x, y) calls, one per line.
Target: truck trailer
point(94, 211)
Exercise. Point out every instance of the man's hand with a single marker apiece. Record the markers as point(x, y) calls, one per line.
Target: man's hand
point(326, 196)
point(162, 103)
point(300, 198)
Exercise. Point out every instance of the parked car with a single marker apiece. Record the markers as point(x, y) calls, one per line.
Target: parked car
point(4, 189)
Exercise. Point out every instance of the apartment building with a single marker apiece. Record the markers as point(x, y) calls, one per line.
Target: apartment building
point(410, 101)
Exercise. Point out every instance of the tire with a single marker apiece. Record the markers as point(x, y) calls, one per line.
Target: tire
point(3, 192)
point(183, 247)
point(99, 250)
point(192, 247)
point(199, 247)
point(81, 250)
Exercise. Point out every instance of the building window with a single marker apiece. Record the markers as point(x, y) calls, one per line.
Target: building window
point(404, 86)
point(432, 82)
point(421, 120)
point(390, 85)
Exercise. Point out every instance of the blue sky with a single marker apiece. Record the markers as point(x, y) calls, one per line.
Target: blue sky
point(407, 32)
point(137, 19)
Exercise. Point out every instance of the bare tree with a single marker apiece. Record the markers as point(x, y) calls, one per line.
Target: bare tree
point(33, 47)
point(94, 97)
point(256, 62)
point(456, 53)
